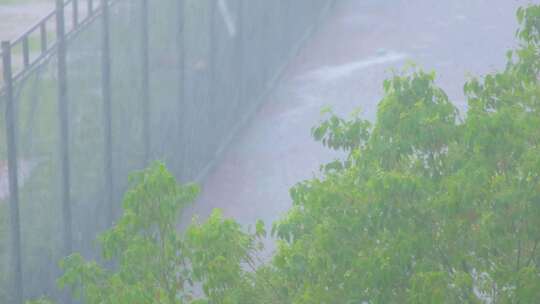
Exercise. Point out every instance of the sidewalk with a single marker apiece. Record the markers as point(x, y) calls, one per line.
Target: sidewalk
point(343, 66)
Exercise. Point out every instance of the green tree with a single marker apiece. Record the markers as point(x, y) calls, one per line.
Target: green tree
point(428, 206)
point(150, 262)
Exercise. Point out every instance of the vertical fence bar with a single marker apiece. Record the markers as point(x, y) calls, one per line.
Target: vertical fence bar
point(63, 127)
point(16, 260)
point(240, 58)
point(26, 51)
point(90, 8)
point(106, 94)
point(145, 81)
point(181, 82)
point(75, 13)
point(212, 98)
point(43, 36)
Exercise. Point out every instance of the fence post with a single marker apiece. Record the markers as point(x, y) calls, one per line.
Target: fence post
point(90, 7)
point(240, 60)
point(181, 87)
point(17, 294)
point(106, 92)
point(145, 81)
point(43, 36)
point(75, 13)
point(63, 126)
point(214, 107)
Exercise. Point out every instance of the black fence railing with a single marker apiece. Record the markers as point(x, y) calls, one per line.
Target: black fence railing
point(97, 89)
point(34, 45)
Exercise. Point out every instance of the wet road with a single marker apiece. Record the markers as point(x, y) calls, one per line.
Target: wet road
point(343, 66)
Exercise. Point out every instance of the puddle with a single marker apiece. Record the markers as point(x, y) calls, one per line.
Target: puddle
point(337, 72)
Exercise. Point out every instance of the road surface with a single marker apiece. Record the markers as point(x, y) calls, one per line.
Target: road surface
point(343, 65)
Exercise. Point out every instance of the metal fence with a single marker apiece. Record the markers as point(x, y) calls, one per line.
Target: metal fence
point(97, 89)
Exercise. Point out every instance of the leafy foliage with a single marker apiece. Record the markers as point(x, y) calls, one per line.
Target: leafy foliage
point(427, 207)
point(149, 261)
